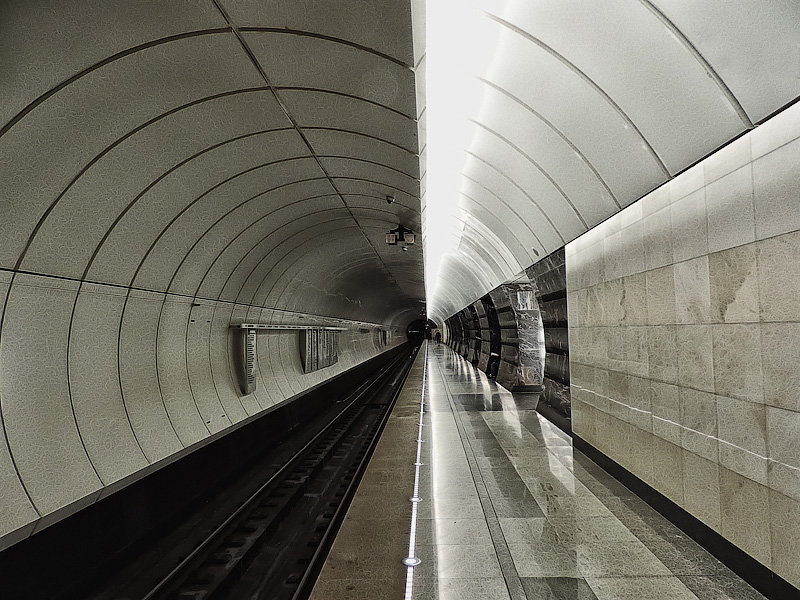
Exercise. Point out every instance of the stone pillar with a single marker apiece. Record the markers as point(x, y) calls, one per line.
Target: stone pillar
point(530, 333)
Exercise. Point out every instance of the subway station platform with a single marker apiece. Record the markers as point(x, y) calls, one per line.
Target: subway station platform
point(495, 504)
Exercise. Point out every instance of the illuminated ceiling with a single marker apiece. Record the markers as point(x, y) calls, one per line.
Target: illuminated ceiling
point(545, 117)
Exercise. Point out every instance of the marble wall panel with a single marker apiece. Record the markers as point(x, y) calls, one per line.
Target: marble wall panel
point(743, 519)
point(657, 239)
point(692, 291)
point(695, 356)
point(780, 355)
point(719, 423)
point(660, 289)
point(775, 191)
point(689, 230)
point(784, 515)
point(733, 281)
point(730, 211)
point(737, 361)
point(778, 266)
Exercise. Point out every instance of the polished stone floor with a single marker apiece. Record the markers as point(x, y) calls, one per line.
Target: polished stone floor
point(507, 510)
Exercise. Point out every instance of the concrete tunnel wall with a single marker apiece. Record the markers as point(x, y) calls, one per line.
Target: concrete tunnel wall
point(171, 169)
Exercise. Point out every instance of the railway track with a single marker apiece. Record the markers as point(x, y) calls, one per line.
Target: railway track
point(273, 545)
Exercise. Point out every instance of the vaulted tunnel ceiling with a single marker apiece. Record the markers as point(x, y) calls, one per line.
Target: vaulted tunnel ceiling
point(234, 150)
point(243, 150)
point(546, 117)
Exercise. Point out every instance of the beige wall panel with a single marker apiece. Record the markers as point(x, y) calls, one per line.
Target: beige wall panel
point(337, 143)
point(213, 224)
point(36, 399)
point(785, 531)
point(551, 153)
point(198, 367)
point(269, 356)
point(130, 239)
point(95, 387)
point(350, 114)
point(775, 152)
point(501, 218)
point(276, 251)
point(289, 257)
point(137, 162)
point(16, 509)
point(189, 420)
point(507, 184)
point(346, 168)
point(58, 34)
point(140, 389)
point(248, 275)
point(382, 24)
point(761, 72)
point(243, 249)
point(95, 111)
point(563, 97)
point(288, 347)
point(196, 182)
point(670, 96)
point(345, 69)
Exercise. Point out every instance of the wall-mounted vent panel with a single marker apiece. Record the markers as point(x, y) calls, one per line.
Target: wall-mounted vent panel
point(318, 349)
point(249, 361)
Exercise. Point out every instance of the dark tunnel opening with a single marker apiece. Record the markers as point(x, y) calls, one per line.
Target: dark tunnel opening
point(419, 330)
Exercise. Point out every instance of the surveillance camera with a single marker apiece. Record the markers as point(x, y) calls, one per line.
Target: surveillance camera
point(389, 199)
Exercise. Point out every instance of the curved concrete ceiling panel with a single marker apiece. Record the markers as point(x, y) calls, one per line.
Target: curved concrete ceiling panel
point(545, 118)
point(169, 143)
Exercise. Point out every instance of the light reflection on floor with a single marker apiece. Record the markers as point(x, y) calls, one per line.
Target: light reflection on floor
point(563, 520)
point(509, 510)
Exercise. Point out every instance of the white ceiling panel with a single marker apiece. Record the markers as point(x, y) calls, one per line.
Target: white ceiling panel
point(564, 111)
point(752, 45)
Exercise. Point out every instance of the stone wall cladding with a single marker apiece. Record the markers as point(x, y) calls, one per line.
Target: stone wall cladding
point(684, 340)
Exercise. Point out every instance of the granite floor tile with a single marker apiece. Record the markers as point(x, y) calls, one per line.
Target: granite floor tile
point(487, 588)
point(557, 588)
point(524, 506)
point(358, 589)
point(536, 532)
point(594, 530)
point(457, 561)
point(720, 588)
point(452, 532)
point(639, 588)
point(683, 557)
point(549, 561)
point(508, 508)
point(626, 559)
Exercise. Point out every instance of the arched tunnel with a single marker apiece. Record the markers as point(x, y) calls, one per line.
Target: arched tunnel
point(218, 215)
